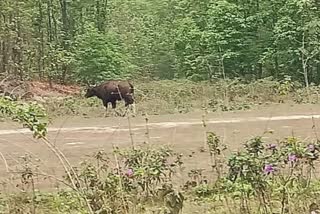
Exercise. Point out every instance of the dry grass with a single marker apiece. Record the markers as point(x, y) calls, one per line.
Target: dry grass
point(171, 97)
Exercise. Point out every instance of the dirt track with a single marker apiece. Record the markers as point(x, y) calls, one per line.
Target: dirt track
point(78, 137)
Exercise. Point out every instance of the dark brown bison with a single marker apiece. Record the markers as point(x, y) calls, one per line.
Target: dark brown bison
point(112, 91)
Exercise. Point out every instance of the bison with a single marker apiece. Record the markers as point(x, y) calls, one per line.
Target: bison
point(112, 91)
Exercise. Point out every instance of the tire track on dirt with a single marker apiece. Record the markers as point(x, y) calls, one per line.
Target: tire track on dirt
point(136, 127)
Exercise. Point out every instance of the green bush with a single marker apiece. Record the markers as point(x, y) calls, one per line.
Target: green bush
point(100, 57)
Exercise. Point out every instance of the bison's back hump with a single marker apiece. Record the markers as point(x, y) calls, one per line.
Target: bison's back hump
point(114, 86)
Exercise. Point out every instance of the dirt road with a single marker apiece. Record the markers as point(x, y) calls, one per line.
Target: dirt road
point(78, 137)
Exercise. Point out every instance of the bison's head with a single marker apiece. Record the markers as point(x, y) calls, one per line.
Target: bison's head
point(90, 93)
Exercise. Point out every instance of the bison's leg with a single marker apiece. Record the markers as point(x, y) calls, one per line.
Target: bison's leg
point(130, 109)
point(126, 104)
point(126, 111)
point(114, 105)
point(133, 109)
point(129, 104)
point(105, 103)
point(133, 106)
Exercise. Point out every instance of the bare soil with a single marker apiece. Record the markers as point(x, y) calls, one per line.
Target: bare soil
point(185, 138)
point(29, 89)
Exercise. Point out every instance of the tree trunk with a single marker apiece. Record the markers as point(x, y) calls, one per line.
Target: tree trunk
point(98, 14)
point(318, 70)
point(40, 59)
point(276, 64)
point(65, 29)
point(50, 39)
point(259, 75)
point(4, 57)
point(49, 27)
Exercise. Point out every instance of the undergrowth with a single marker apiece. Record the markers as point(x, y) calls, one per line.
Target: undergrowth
point(168, 97)
point(261, 178)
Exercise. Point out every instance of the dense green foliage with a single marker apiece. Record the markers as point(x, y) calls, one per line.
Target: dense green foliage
point(98, 58)
point(30, 115)
point(81, 40)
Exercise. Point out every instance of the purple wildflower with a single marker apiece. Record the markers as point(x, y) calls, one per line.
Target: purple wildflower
point(272, 146)
point(311, 148)
point(292, 158)
point(268, 169)
point(129, 173)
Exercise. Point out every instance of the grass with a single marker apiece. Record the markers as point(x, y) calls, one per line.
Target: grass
point(172, 97)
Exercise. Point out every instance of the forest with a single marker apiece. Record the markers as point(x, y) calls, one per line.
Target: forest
point(87, 41)
point(227, 118)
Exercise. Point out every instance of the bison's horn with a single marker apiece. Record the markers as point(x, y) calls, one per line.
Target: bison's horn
point(87, 84)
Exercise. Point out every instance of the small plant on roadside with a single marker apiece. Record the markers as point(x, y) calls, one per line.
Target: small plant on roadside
point(285, 86)
point(149, 167)
point(134, 177)
point(266, 168)
point(215, 150)
point(30, 115)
